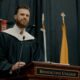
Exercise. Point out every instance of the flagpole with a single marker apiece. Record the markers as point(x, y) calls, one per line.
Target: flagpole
point(44, 37)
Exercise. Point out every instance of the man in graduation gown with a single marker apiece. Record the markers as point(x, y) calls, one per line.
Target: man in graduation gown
point(18, 47)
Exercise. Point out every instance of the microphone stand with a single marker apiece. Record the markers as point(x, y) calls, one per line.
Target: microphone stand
point(21, 53)
point(21, 49)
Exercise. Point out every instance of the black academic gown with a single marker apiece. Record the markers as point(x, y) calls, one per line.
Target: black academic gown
point(10, 51)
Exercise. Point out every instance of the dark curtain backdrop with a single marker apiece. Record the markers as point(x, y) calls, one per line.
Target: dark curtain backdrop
point(78, 13)
point(52, 10)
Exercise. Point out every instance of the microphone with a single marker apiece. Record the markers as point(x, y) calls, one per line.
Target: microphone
point(23, 38)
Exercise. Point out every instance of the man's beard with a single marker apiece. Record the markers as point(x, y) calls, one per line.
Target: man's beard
point(21, 25)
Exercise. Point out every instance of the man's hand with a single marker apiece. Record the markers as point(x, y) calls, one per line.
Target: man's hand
point(18, 65)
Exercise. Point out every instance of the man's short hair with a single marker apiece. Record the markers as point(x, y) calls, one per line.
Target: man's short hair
point(21, 7)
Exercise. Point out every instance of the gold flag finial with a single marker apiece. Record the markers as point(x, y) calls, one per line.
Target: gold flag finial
point(63, 16)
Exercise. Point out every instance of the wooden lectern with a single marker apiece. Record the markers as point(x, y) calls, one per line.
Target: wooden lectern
point(48, 71)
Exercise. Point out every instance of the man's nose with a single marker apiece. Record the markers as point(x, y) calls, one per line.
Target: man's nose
point(25, 16)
